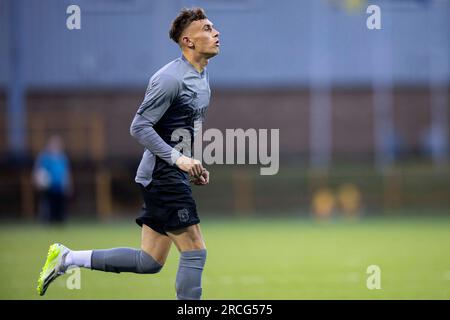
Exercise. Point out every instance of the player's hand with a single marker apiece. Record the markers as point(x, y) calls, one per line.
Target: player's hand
point(202, 180)
point(192, 166)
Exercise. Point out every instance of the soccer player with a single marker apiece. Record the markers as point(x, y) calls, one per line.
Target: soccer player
point(176, 98)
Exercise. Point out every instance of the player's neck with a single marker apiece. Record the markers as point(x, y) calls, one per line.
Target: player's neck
point(197, 61)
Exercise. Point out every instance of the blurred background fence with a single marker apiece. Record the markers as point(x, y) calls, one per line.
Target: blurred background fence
point(363, 114)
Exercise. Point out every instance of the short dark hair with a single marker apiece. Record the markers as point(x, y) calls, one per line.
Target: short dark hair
point(183, 20)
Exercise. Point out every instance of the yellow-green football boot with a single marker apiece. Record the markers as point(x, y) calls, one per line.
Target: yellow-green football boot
point(53, 267)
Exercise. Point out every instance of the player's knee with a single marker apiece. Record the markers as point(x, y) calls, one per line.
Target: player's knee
point(198, 245)
point(150, 269)
point(147, 264)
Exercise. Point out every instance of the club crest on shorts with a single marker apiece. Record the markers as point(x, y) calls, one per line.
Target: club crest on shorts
point(183, 215)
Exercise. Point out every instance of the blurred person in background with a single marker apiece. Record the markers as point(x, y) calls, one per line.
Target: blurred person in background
point(52, 179)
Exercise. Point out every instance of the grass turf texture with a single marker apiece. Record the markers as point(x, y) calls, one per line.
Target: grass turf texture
point(250, 259)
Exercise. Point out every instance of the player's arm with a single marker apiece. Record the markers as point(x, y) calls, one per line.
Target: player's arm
point(161, 92)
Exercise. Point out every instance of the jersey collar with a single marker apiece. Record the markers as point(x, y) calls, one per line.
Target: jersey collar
point(201, 74)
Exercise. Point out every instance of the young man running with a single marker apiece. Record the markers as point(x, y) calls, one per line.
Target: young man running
point(177, 97)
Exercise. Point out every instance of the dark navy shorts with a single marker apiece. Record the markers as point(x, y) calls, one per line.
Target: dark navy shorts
point(168, 207)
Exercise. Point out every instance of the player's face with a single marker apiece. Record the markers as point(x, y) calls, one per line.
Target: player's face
point(204, 38)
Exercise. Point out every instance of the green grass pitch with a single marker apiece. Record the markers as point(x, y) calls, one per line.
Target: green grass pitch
point(253, 258)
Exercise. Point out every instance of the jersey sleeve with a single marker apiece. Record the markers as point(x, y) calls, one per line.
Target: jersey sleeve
point(161, 92)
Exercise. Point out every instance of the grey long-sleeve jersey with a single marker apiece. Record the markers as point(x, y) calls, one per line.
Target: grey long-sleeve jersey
point(177, 96)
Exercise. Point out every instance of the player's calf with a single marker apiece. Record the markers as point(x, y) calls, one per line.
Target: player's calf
point(189, 275)
point(114, 260)
point(124, 260)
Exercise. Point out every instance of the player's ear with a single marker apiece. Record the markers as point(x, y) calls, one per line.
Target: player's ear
point(187, 42)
